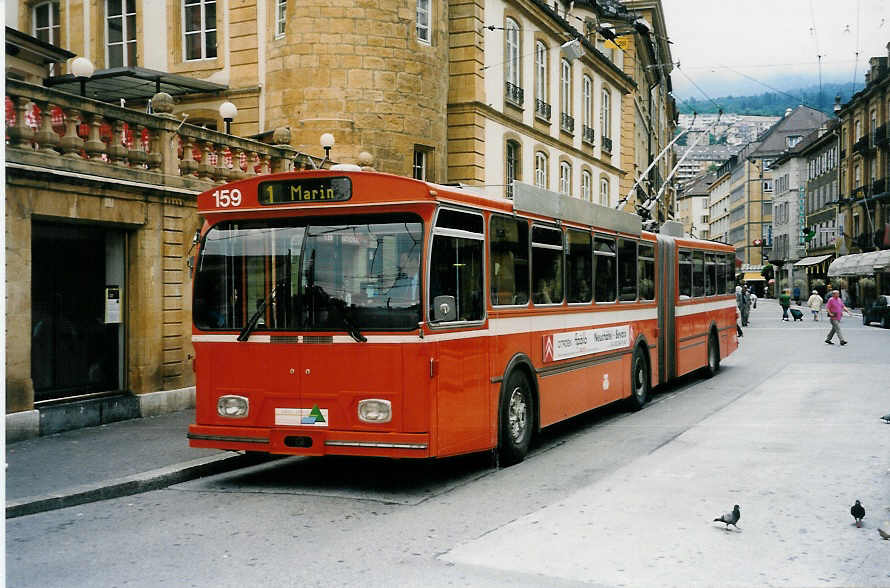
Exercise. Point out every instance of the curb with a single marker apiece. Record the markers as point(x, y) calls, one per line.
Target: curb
point(129, 485)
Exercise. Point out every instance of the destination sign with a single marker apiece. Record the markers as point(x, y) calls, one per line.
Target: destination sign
point(305, 191)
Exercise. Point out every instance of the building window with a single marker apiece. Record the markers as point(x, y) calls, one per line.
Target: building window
point(541, 169)
point(512, 166)
point(511, 58)
point(565, 84)
point(45, 22)
point(199, 29)
point(587, 112)
point(565, 178)
point(604, 191)
point(120, 33)
point(419, 172)
point(586, 186)
point(280, 17)
point(792, 140)
point(541, 72)
point(606, 116)
point(423, 21)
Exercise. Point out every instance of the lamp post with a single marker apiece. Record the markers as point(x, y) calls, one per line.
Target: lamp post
point(327, 141)
point(83, 69)
point(228, 111)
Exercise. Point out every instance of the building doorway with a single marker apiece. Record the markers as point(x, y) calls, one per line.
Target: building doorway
point(77, 317)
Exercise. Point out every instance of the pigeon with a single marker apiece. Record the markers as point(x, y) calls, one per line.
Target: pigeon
point(730, 518)
point(883, 534)
point(858, 512)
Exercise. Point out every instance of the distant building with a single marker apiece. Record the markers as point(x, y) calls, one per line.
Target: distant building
point(701, 158)
point(692, 206)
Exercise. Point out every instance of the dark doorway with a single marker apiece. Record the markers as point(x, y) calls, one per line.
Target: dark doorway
point(73, 350)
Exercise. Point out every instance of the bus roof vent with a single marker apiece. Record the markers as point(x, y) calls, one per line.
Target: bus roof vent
point(528, 198)
point(672, 229)
point(345, 167)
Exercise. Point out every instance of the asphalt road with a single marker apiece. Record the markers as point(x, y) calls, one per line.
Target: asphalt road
point(789, 429)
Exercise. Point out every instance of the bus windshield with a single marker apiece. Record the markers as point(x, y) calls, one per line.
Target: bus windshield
point(322, 274)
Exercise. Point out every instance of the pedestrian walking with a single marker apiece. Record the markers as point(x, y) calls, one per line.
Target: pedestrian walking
point(797, 295)
point(835, 309)
point(742, 300)
point(785, 303)
point(815, 304)
point(753, 300)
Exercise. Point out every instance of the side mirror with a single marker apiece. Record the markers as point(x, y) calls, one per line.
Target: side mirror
point(444, 309)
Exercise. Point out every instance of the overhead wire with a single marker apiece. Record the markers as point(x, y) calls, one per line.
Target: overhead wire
point(818, 53)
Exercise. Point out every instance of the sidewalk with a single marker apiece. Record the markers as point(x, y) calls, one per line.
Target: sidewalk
point(97, 463)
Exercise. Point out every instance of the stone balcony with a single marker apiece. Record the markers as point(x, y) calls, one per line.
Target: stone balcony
point(61, 131)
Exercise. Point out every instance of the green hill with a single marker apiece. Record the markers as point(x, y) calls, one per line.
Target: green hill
point(772, 103)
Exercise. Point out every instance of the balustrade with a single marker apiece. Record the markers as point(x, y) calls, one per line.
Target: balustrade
point(56, 125)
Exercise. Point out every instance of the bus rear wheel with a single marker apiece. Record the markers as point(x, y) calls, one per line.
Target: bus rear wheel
point(713, 365)
point(515, 420)
point(639, 381)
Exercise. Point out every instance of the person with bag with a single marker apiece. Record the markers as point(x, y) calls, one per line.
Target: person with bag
point(742, 301)
point(835, 309)
point(785, 303)
point(815, 304)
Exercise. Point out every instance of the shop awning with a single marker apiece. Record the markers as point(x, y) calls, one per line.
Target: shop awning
point(844, 265)
point(860, 264)
point(753, 277)
point(811, 260)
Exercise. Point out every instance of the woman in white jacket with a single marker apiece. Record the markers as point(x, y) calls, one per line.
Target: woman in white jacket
point(815, 304)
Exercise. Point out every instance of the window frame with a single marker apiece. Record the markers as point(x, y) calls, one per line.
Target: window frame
point(604, 181)
point(560, 278)
point(124, 42)
point(606, 113)
point(520, 221)
point(512, 166)
point(53, 18)
point(541, 71)
point(565, 87)
point(422, 153)
point(596, 255)
point(587, 101)
point(568, 266)
point(201, 32)
point(428, 28)
point(586, 186)
point(280, 18)
point(542, 164)
point(512, 52)
point(454, 233)
point(565, 178)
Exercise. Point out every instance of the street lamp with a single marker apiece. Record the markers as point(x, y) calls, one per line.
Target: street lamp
point(83, 69)
point(228, 111)
point(327, 141)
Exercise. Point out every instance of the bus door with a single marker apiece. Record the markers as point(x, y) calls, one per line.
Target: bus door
point(456, 312)
point(666, 281)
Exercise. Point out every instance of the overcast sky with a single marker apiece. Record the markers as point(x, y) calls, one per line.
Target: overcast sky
point(773, 41)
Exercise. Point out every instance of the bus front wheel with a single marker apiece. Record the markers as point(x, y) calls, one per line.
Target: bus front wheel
point(639, 381)
point(515, 419)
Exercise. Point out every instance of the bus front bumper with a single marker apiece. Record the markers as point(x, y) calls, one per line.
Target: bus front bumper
point(314, 441)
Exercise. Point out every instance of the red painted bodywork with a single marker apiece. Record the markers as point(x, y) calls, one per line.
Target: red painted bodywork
point(444, 393)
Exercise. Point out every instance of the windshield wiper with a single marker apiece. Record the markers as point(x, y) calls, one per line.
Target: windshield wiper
point(255, 317)
point(345, 316)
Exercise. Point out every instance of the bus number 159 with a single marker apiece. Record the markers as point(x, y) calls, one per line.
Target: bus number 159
point(227, 198)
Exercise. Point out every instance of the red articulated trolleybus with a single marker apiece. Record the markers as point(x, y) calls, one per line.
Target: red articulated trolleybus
point(359, 313)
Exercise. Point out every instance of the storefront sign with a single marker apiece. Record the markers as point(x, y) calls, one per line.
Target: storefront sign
point(112, 305)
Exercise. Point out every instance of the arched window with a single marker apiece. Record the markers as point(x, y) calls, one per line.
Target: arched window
point(587, 109)
point(541, 72)
point(586, 186)
point(511, 58)
point(565, 178)
point(511, 165)
point(606, 114)
point(120, 33)
point(604, 191)
point(541, 169)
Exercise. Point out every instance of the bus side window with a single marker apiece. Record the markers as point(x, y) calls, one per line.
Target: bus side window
point(627, 270)
point(720, 274)
point(685, 275)
point(646, 265)
point(579, 266)
point(605, 274)
point(456, 263)
point(730, 273)
point(509, 261)
point(710, 275)
point(547, 276)
point(698, 274)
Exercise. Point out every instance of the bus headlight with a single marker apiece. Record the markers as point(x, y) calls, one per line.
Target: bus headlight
point(374, 410)
point(233, 407)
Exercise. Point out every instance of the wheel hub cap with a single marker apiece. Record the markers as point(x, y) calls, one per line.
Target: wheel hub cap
point(518, 414)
